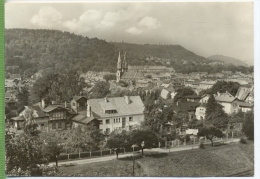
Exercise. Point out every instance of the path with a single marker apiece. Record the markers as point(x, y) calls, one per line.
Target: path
point(113, 157)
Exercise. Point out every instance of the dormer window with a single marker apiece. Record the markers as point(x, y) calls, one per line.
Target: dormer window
point(110, 111)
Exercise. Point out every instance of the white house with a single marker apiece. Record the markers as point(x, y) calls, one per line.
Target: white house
point(229, 102)
point(204, 98)
point(116, 113)
point(201, 112)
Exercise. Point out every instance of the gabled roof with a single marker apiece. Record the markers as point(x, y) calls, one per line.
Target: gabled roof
point(82, 118)
point(185, 106)
point(244, 104)
point(52, 107)
point(208, 82)
point(242, 93)
point(224, 97)
point(135, 106)
point(76, 98)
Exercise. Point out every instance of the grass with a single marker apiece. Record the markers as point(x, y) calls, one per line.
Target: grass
point(225, 160)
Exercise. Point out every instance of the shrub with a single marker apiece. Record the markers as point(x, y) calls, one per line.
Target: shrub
point(202, 146)
point(242, 140)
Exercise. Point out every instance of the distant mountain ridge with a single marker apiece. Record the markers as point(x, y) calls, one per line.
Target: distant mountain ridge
point(228, 60)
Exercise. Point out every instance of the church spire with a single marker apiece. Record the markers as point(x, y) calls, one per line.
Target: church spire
point(125, 63)
point(119, 62)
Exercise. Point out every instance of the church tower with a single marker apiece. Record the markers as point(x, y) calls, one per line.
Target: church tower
point(119, 69)
point(125, 64)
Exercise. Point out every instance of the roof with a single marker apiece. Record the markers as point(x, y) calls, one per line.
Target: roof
point(146, 67)
point(52, 107)
point(185, 106)
point(208, 82)
point(193, 97)
point(244, 104)
point(18, 118)
point(82, 118)
point(132, 75)
point(76, 98)
point(242, 93)
point(135, 106)
point(203, 105)
point(224, 97)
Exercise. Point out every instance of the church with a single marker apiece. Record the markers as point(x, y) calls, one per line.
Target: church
point(123, 73)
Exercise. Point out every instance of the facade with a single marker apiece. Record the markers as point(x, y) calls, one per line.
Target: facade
point(201, 112)
point(206, 84)
point(117, 113)
point(229, 102)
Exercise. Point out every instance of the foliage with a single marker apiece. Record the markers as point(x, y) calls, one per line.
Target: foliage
point(123, 83)
point(248, 125)
point(22, 98)
point(195, 124)
point(215, 115)
point(110, 77)
point(182, 93)
point(185, 137)
point(222, 87)
point(24, 152)
point(137, 136)
point(57, 87)
point(209, 132)
point(100, 90)
point(242, 140)
point(118, 139)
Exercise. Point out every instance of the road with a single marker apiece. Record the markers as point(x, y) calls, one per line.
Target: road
point(146, 151)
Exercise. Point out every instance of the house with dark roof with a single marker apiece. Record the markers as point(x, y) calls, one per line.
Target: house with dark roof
point(245, 107)
point(229, 102)
point(116, 113)
point(54, 117)
point(186, 109)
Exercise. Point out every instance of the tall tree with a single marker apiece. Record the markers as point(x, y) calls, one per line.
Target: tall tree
point(248, 125)
point(100, 90)
point(182, 93)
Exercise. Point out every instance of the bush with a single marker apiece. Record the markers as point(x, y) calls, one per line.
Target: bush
point(202, 146)
point(242, 141)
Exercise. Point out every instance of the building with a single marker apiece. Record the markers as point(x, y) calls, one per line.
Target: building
point(229, 102)
point(206, 84)
point(117, 113)
point(245, 94)
point(245, 107)
point(186, 109)
point(205, 98)
point(151, 69)
point(51, 118)
point(165, 93)
point(201, 112)
point(193, 98)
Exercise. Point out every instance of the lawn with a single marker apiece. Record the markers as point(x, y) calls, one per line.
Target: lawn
point(227, 160)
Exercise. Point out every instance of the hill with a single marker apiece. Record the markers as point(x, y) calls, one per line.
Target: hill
point(29, 50)
point(228, 60)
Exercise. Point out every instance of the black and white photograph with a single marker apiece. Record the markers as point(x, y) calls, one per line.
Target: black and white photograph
point(129, 89)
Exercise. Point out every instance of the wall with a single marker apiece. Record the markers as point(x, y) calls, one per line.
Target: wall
point(114, 125)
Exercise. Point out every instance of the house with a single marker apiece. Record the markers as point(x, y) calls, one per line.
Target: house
point(142, 83)
point(245, 94)
point(204, 98)
point(51, 118)
point(193, 98)
point(206, 84)
point(186, 109)
point(201, 112)
point(116, 113)
point(9, 85)
point(229, 102)
point(245, 107)
point(166, 92)
point(78, 104)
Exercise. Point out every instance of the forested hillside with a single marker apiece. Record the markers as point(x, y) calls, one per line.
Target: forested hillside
point(227, 60)
point(28, 51)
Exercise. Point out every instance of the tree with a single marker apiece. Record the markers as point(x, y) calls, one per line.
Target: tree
point(118, 139)
point(215, 115)
point(100, 90)
point(248, 125)
point(138, 136)
point(52, 145)
point(209, 132)
point(109, 77)
point(22, 98)
point(24, 152)
point(182, 93)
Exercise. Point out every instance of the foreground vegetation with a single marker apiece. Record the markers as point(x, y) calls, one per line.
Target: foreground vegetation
point(226, 160)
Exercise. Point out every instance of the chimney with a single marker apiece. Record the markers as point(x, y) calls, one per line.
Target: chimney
point(52, 102)
point(127, 99)
point(88, 111)
point(177, 104)
point(106, 99)
point(43, 103)
point(65, 104)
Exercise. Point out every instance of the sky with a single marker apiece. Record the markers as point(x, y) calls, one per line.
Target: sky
point(205, 28)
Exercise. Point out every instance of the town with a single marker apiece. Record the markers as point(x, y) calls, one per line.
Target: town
point(171, 107)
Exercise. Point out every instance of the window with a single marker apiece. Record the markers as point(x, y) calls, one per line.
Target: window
point(59, 124)
point(130, 118)
point(101, 121)
point(107, 121)
point(119, 120)
point(53, 125)
point(73, 104)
